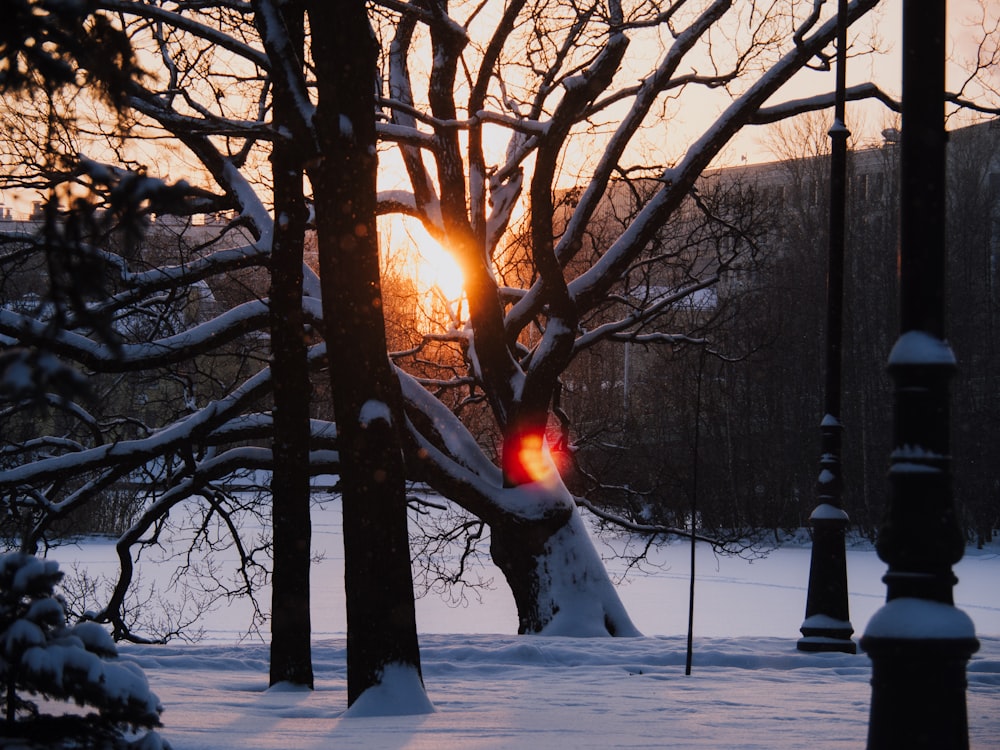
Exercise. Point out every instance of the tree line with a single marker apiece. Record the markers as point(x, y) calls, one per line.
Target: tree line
point(755, 396)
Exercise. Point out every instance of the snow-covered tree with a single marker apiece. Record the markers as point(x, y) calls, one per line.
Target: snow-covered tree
point(491, 110)
point(562, 89)
point(45, 662)
point(556, 87)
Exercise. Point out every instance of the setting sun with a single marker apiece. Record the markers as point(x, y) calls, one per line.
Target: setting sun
point(433, 267)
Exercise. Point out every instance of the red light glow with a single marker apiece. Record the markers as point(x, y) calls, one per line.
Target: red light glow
point(533, 457)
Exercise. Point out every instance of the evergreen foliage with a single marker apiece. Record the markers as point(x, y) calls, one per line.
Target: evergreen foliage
point(44, 662)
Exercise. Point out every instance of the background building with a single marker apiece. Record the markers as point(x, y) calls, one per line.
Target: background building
point(753, 393)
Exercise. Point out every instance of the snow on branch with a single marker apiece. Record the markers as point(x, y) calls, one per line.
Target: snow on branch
point(676, 182)
point(405, 202)
point(621, 329)
point(646, 529)
point(259, 426)
point(482, 116)
point(394, 133)
point(134, 453)
point(777, 112)
point(127, 357)
point(287, 68)
point(205, 123)
point(446, 430)
point(199, 269)
point(216, 36)
point(202, 338)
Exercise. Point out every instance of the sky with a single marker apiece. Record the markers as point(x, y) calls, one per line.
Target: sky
point(868, 120)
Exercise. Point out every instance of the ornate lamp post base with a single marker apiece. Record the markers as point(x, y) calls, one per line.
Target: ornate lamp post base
point(919, 650)
point(827, 626)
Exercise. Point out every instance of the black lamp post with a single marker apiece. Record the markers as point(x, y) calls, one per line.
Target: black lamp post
point(919, 643)
point(827, 626)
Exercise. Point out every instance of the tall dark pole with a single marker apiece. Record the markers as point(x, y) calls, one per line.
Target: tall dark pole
point(919, 643)
point(694, 509)
point(827, 626)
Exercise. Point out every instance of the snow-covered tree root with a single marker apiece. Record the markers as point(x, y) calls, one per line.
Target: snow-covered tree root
point(399, 691)
point(563, 588)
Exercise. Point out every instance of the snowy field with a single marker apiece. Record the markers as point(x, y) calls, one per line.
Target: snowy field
point(750, 687)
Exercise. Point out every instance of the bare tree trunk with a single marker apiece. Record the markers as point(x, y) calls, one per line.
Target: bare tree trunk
point(381, 622)
point(291, 655)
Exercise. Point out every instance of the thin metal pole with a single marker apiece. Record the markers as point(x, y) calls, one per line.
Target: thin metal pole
point(694, 511)
point(827, 625)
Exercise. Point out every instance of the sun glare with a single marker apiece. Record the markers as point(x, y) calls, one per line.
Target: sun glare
point(433, 266)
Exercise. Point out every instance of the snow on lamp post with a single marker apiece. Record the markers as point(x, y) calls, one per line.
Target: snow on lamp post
point(827, 625)
point(919, 642)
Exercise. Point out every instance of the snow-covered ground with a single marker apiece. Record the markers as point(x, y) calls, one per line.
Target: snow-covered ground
point(750, 687)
